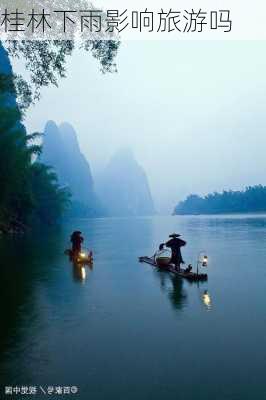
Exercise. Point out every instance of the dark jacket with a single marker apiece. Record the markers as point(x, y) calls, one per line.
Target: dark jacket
point(76, 241)
point(175, 245)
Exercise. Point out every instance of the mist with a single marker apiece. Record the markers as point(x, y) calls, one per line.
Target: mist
point(192, 112)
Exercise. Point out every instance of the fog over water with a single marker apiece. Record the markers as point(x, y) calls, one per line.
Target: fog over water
point(193, 113)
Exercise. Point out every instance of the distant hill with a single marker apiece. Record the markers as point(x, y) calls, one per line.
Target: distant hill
point(252, 199)
point(62, 152)
point(123, 188)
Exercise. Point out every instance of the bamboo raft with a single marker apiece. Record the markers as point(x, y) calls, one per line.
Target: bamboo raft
point(191, 276)
point(81, 258)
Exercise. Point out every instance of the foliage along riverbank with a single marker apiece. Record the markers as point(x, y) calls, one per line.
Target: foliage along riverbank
point(252, 199)
point(29, 190)
point(29, 193)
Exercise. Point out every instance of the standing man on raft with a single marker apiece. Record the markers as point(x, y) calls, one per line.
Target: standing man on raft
point(175, 245)
point(76, 240)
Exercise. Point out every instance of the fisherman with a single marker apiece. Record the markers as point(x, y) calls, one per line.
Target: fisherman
point(175, 245)
point(76, 240)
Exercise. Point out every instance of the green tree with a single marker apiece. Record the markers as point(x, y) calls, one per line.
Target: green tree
point(29, 190)
point(49, 199)
point(252, 199)
point(46, 62)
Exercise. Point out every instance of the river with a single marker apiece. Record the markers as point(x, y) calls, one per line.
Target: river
point(123, 330)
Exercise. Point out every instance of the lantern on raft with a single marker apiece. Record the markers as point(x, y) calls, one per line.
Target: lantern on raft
point(202, 260)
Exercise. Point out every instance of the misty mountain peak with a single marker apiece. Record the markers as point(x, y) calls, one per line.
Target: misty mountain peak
point(61, 151)
point(50, 127)
point(124, 188)
point(69, 136)
point(124, 153)
point(52, 137)
point(124, 158)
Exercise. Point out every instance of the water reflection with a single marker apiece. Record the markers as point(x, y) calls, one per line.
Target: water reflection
point(27, 263)
point(51, 321)
point(206, 300)
point(80, 272)
point(80, 269)
point(176, 293)
point(174, 287)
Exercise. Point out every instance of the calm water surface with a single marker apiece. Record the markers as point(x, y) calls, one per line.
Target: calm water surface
point(123, 330)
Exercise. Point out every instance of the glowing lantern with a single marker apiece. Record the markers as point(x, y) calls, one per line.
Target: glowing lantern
point(202, 260)
point(205, 261)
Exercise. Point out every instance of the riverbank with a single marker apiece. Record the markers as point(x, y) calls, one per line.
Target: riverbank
point(222, 214)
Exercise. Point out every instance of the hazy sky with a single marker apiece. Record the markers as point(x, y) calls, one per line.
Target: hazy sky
point(193, 112)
